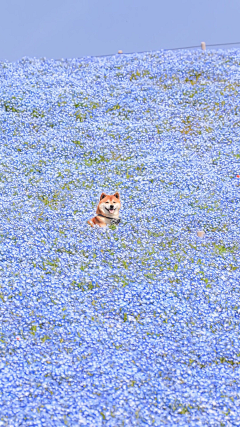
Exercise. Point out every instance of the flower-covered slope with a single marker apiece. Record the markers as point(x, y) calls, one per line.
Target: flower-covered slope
point(135, 325)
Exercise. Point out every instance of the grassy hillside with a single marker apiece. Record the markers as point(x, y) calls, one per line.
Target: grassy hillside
point(137, 325)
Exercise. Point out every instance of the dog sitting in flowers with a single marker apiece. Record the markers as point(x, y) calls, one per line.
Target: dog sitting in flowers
point(107, 211)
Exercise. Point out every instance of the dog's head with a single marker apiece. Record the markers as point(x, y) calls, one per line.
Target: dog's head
point(109, 205)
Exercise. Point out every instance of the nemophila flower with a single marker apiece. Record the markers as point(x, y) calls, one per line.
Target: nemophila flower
point(103, 318)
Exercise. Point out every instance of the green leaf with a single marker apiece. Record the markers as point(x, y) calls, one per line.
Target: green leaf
point(46, 337)
point(33, 329)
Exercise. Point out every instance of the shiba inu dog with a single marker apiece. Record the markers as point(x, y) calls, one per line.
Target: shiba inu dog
point(107, 211)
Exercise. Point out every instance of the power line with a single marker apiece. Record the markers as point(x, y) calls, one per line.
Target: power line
point(174, 48)
point(222, 44)
point(191, 47)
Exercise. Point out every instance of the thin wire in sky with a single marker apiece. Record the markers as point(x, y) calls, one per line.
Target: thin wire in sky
point(175, 48)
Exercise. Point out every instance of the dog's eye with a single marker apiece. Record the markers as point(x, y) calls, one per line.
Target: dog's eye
point(107, 202)
point(114, 202)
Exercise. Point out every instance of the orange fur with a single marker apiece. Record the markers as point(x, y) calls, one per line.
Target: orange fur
point(104, 209)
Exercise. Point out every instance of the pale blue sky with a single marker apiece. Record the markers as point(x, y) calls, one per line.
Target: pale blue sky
point(76, 28)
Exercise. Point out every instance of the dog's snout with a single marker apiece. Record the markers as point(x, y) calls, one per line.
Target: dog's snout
point(111, 207)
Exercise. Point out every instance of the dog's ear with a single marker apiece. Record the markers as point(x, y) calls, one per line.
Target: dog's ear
point(117, 195)
point(102, 196)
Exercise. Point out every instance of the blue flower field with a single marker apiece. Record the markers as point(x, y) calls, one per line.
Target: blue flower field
point(136, 324)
